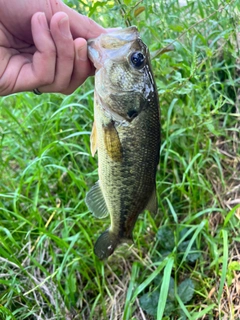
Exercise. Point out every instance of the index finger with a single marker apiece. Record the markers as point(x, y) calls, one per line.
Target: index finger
point(81, 26)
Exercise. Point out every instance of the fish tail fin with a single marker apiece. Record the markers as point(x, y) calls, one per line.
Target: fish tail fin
point(106, 244)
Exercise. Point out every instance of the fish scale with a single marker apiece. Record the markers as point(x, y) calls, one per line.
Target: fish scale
point(126, 134)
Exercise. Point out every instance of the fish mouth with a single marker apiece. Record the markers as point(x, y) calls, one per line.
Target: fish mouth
point(106, 46)
point(126, 34)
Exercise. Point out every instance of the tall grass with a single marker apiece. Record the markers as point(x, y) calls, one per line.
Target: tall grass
point(185, 261)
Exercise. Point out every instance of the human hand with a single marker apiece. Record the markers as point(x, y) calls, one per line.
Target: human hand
point(43, 45)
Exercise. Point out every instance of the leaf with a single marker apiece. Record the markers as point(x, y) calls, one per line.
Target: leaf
point(186, 233)
point(71, 284)
point(163, 254)
point(224, 264)
point(234, 265)
point(166, 237)
point(158, 280)
point(193, 255)
point(138, 11)
point(169, 308)
point(97, 4)
point(164, 288)
point(211, 128)
point(185, 89)
point(177, 28)
point(186, 290)
point(171, 290)
point(149, 302)
point(200, 8)
point(182, 315)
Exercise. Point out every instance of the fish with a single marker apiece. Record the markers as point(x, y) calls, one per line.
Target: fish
point(126, 135)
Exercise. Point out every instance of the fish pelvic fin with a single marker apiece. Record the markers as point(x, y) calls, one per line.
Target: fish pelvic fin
point(106, 244)
point(96, 202)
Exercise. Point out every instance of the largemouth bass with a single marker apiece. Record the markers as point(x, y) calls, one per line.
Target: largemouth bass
point(126, 133)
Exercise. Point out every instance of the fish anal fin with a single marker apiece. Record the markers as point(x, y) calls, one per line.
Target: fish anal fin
point(152, 205)
point(93, 139)
point(112, 142)
point(96, 202)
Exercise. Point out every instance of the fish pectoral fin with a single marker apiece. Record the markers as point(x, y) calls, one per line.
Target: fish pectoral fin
point(112, 142)
point(93, 139)
point(152, 205)
point(96, 202)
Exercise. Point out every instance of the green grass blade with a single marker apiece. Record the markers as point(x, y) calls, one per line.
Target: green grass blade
point(224, 263)
point(164, 288)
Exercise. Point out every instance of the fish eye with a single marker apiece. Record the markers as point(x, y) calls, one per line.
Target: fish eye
point(137, 59)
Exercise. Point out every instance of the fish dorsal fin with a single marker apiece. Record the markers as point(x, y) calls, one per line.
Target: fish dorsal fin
point(112, 142)
point(93, 139)
point(96, 202)
point(152, 205)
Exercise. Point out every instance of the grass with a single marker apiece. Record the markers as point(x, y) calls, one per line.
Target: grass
point(185, 262)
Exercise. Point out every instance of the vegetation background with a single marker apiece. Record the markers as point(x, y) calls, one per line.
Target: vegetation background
point(185, 263)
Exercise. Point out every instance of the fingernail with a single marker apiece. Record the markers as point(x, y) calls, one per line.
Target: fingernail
point(42, 20)
point(63, 25)
point(82, 54)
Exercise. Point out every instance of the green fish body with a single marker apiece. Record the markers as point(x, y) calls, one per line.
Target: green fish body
point(126, 133)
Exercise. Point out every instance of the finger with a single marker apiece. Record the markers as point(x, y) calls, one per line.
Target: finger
point(41, 70)
point(82, 66)
point(81, 26)
point(84, 26)
point(9, 67)
point(60, 30)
